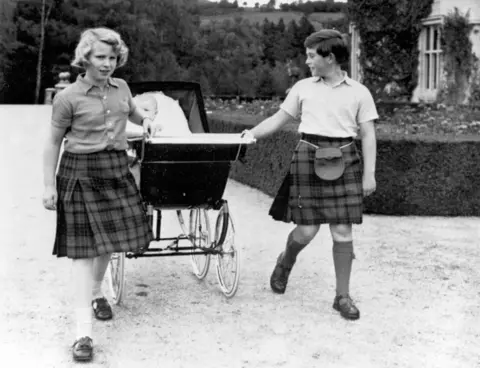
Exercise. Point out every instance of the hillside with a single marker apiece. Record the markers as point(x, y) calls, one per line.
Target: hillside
point(257, 17)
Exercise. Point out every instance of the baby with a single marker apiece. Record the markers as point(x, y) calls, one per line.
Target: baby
point(163, 110)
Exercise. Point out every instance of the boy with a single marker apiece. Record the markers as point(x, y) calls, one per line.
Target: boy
point(326, 183)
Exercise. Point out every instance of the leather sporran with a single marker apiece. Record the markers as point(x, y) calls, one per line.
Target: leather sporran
point(329, 163)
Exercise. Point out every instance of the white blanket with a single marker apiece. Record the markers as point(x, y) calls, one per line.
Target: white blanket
point(168, 115)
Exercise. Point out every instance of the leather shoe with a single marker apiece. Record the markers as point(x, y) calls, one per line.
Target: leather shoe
point(82, 349)
point(279, 278)
point(102, 309)
point(346, 307)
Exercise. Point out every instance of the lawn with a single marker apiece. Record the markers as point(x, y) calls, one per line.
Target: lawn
point(434, 120)
point(258, 17)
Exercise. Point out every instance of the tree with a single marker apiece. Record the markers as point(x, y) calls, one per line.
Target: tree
point(459, 59)
point(7, 43)
point(44, 20)
point(389, 31)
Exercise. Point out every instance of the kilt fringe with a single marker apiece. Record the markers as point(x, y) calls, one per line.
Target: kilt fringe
point(305, 199)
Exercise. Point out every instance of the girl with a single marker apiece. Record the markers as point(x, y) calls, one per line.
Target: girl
point(99, 209)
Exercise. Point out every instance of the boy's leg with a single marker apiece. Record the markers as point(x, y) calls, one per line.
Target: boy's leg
point(342, 259)
point(100, 305)
point(298, 239)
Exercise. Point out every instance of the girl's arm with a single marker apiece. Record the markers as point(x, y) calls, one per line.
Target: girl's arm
point(51, 153)
point(50, 160)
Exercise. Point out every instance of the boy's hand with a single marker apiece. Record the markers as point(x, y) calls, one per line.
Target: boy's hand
point(369, 184)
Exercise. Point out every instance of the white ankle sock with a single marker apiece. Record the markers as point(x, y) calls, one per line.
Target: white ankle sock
point(84, 322)
point(97, 290)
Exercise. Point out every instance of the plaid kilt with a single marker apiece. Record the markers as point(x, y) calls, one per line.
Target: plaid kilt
point(305, 199)
point(99, 208)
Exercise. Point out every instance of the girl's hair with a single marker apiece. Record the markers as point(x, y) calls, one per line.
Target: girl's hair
point(108, 36)
point(329, 41)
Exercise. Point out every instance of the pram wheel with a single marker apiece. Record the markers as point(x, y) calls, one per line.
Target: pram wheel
point(116, 276)
point(199, 234)
point(228, 259)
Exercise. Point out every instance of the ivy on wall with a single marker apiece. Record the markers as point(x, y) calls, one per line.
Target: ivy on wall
point(389, 31)
point(459, 60)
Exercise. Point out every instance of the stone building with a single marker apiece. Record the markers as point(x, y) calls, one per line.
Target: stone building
point(430, 69)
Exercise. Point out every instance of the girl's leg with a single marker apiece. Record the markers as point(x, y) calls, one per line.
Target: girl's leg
point(100, 265)
point(82, 288)
point(100, 305)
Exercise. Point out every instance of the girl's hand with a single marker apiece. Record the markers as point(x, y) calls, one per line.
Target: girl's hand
point(50, 198)
point(150, 128)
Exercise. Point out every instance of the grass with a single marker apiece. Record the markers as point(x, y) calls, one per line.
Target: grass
point(258, 17)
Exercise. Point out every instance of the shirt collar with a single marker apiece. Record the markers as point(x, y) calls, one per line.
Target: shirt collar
point(87, 86)
point(346, 79)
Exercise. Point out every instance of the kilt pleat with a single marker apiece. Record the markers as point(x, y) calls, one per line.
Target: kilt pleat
point(99, 207)
point(313, 201)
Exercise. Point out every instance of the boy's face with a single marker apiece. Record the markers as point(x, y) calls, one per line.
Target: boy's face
point(318, 65)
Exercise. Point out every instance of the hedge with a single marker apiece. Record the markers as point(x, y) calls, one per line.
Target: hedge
point(416, 176)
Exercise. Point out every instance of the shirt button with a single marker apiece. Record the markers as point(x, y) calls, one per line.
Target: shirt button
point(104, 97)
point(109, 124)
point(108, 111)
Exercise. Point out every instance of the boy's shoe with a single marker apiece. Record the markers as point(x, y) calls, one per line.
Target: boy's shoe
point(82, 349)
point(102, 309)
point(346, 307)
point(279, 278)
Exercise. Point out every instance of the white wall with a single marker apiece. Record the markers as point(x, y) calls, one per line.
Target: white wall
point(446, 6)
point(443, 8)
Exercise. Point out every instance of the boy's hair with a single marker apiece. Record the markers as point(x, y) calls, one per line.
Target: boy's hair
point(329, 41)
point(106, 35)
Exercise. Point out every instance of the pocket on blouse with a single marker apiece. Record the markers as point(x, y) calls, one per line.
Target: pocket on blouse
point(124, 107)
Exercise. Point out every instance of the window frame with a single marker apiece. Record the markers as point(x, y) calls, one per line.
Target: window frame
point(431, 52)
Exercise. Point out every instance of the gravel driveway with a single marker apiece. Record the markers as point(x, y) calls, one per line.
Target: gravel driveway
point(416, 282)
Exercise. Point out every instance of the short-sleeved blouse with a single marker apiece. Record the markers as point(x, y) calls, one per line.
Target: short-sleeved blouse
point(95, 120)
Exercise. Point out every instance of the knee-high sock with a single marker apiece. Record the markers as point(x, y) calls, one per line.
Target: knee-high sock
point(100, 265)
point(82, 288)
point(342, 259)
point(292, 250)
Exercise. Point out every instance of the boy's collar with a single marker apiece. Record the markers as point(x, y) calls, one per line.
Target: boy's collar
point(346, 79)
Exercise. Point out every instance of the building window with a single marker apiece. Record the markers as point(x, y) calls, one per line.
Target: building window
point(431, 57)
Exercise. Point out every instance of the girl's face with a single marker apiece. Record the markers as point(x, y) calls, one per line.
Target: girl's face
point(318, 65)
point(102, 62)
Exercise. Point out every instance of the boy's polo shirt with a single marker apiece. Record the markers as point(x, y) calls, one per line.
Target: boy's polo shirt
point(331, 111)
point(95, 120)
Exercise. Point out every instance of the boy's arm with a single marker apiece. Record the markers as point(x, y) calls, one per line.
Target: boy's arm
point(369, 150)
point(271, 124)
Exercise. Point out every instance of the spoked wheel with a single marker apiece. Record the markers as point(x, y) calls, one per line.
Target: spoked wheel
point(199, 235)
point(116, 276)
point(228, 260)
